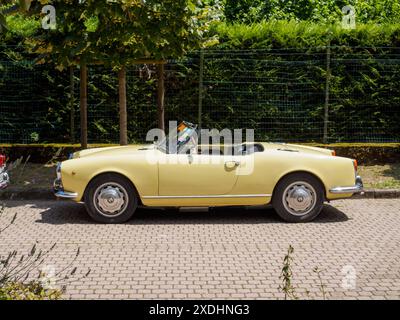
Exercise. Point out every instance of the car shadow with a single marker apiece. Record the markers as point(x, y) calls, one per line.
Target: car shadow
point(75, 213)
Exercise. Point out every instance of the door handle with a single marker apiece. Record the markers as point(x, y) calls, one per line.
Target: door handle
point(232, 164)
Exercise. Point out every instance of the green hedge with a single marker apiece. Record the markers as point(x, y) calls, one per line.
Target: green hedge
point(367, 11)
point(268, 76)
point(42, 153)
point(366, 154)
point(293, 34)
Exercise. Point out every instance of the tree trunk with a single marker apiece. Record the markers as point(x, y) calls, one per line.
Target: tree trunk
point(72, 103)
point(83, 105)
point(123, 117)
point(160, 96)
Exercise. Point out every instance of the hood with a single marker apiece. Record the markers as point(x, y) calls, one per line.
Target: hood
point(114, 151)
point(286, 147)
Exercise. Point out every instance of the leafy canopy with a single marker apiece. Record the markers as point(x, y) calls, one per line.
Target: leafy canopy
point(115, 32)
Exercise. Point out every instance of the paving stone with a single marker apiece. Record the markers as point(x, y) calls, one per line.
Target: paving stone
point(227, 253)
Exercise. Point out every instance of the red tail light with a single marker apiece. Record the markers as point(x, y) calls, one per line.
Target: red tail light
point(2, 160)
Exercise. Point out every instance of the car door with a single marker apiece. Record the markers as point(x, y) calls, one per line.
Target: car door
point(197, 175)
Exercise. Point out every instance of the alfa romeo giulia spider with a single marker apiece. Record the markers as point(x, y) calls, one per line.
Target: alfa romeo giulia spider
point(295, 179)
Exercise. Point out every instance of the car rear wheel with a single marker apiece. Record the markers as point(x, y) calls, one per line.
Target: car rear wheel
point(111, 198)
point(298, 197)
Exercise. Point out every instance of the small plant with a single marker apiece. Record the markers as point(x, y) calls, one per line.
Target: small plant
point(321, 285)
point(23, 167)
point(32, 290)
point(23, 174)
point(286, 276)
point(16, 273)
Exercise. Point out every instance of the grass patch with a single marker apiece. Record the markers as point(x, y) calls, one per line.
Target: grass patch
point(34, 175)
point(381, 177)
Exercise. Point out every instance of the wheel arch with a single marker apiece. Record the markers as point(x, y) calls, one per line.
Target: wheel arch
point(313, 174)
point(113, 173)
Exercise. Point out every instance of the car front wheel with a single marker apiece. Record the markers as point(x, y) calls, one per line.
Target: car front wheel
point(111, 198)
point(298, 197)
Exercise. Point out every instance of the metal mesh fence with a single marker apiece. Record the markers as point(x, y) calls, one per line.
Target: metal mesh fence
point(285, 95)
point(364, 100)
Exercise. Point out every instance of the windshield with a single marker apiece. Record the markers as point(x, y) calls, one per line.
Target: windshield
point(179, 141)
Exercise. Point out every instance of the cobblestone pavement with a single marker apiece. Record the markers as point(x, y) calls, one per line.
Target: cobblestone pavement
point(227, 253)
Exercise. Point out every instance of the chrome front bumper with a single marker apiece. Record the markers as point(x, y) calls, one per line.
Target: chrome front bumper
point(357, 188)
point(59, 190)
point(4, 178)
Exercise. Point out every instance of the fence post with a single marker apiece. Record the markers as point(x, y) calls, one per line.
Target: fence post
point(200, 88)
point(83, 105)
point(123, 115)
point(72, 103)
point(328, 79)
point(161, 96)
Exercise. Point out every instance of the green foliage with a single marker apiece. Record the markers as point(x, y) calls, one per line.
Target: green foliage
point(294, 34)
point(278, 92)
point(141, 30)
point(115, 32)
point(207, 14)
point(368, 154)
point(372, 11)
point(32, 290)
point(286, 276)
point(274, 84)
point(68, 44)
point(43, 153)
point(11, 7)
point(20, 26)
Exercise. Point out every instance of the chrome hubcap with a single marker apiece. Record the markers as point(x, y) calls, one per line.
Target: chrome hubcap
point(299, 198)
point(111, 199)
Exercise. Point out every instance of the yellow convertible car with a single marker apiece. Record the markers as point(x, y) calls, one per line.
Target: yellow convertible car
point(296, 180)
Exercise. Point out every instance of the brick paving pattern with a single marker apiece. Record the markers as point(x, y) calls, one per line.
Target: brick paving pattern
point(230, 253)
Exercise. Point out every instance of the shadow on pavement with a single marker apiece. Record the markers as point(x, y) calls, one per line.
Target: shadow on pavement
point(61, 212)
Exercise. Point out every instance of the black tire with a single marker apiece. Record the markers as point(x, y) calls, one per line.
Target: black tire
point(120, 187)
point(309, 187)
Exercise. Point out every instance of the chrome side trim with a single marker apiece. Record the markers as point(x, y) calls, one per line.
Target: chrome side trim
point(209, 196)
point(66, 195)
point(357, 188)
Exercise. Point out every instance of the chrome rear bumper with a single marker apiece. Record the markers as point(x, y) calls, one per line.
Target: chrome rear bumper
point(4, 178)
point(357, 188)
point(59, 191)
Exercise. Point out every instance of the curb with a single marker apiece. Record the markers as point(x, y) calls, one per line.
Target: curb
point(23, 194)
point(378, 194)
point(47, 194)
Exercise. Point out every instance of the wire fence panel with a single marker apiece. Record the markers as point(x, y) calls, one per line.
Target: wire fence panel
point(21, 102)
point(285, 95)
point(365, 96)
point(279, 94)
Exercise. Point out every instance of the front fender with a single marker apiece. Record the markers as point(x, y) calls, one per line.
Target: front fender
point(77, 173)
